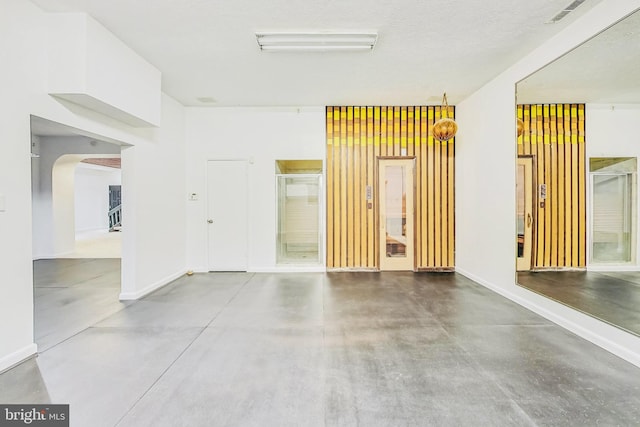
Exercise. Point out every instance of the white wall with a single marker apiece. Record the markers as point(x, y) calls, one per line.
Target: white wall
point(92, 196)
point(153, 254)
point(62, 205)
point(485, 183)
point(16, 293)
point(613, 131)
point(154, 206)
point(262, 136)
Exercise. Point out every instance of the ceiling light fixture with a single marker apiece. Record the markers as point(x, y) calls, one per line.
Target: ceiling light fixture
point(316, 42)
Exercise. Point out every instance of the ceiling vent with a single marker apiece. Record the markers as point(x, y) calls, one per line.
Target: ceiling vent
point(565, 11)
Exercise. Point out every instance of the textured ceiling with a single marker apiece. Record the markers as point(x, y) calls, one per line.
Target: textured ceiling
point(602, 70)
point(207, 48)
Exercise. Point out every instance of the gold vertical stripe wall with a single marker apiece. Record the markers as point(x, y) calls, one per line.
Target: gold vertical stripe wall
point(555, 135)
point(356, 138)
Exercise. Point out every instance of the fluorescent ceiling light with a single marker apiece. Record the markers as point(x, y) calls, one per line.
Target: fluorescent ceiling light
point(316, 42)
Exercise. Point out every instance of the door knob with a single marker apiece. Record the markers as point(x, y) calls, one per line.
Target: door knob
point(210, 221)
point(528, 220)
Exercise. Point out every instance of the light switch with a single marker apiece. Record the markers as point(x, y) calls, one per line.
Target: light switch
point(3, 206)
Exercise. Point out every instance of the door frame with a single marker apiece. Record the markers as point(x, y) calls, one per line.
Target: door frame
point(411, 214)
point(529, 162)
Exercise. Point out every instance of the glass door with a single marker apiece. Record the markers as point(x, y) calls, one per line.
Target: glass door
point(298, 240)
point(395, 186)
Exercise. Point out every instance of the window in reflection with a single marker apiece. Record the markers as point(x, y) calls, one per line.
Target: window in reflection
point(613, 214)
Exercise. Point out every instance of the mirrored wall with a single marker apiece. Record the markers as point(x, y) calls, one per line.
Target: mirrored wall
point(578, 150)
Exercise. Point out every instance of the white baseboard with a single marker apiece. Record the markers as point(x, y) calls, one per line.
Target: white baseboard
point(45, 257)
point(615, 340)
point(290, 269)
point(9, 361)
point(613, 268)
point(278, 269)
point(128, 296)
point(54, 256)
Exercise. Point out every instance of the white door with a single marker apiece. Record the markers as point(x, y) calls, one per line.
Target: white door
point(227, 215)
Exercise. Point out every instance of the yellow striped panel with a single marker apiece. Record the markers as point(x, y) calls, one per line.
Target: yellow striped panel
point(430, 120)
point(356, 126)
point(377, 114)
point(352, 235)
point(403, 128)
point(329, 125)
point(560, 238)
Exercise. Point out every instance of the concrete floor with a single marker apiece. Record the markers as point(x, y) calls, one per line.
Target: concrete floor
point(336, 349)
point(613, 297)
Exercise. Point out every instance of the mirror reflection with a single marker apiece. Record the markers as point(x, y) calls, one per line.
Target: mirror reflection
point(577, 192)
